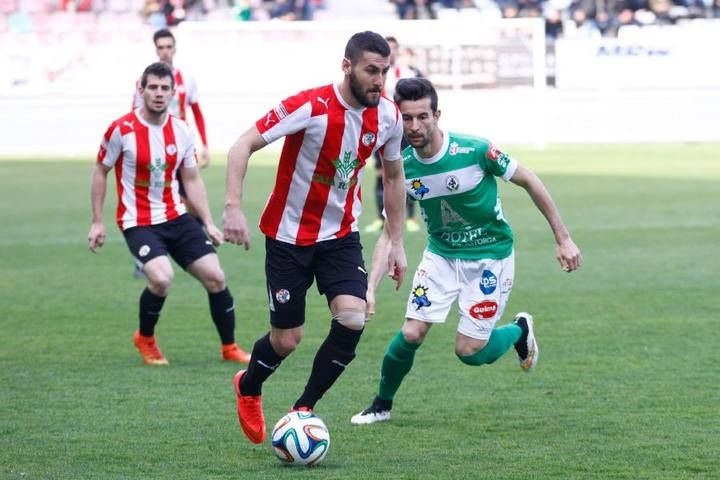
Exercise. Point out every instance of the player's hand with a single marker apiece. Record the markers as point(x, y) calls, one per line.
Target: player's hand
point(568, 255)
point(96, 237)
point(204, 158)
point(235, 227)
point(215, 235)
point(370, 303)
point(397, 264)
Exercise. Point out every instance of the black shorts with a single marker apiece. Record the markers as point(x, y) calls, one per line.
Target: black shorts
point(182, 238)
point(336, 265)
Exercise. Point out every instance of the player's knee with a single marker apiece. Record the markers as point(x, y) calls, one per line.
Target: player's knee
point(352, 319)
point(160, 282)
point(468, 349)
point(286, 343)
point(215, 281)
point(413, 335)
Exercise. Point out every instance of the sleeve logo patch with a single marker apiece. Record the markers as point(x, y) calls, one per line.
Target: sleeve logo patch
point(493, 153)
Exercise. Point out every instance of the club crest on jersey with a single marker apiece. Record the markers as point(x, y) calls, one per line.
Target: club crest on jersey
point(420, 298)
point(282, 296)
point(452, 183)
point(171, 149)
point(368, 139)
point(419, 188)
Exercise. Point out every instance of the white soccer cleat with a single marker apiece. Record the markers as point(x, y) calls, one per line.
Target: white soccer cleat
point(527, 348)
point(373, 414)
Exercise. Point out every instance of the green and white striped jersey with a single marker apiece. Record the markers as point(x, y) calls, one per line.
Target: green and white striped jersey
point(458, 196)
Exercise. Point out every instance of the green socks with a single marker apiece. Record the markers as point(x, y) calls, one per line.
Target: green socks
point(397, 362)
point(500, 341)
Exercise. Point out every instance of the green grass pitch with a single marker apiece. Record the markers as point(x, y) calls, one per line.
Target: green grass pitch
point(626, 386)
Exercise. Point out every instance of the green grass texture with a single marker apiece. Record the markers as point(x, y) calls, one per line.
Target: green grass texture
point(626, 386)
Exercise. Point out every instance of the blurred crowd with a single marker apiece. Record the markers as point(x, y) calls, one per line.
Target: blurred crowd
point(575, 18)
point(563, 18)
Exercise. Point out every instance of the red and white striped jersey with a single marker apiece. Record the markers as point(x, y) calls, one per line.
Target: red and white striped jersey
point(185, 95)
point(146, 159)
point(317, 193)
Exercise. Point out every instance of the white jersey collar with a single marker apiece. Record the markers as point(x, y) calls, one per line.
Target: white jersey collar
point(438, 155)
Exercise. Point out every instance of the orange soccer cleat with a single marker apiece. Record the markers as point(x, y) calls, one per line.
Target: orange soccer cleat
point(250, 412)
point(149, 350)
point(233, 353)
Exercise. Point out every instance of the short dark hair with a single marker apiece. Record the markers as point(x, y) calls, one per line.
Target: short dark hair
point(366, 42)
point(416, 89)
point(163, 33)
point(160, 70)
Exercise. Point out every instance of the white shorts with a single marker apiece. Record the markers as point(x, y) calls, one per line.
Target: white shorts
point(482, 288)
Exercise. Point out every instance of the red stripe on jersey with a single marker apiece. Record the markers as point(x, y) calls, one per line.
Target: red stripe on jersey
point(171, 164)
point(142, 174)
point(369, 126)
point(272, 216)
point(118, 177)
point(317, 196)
point(180, 88)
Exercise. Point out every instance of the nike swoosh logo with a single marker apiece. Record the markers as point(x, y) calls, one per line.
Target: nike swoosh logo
point(362, 270)
point(270, 367)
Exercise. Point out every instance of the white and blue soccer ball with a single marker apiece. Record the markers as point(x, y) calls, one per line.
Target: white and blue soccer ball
point(300, 438)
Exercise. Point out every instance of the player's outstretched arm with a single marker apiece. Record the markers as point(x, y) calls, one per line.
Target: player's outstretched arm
point(98, 187)
point(394, 201)
point(235, 226)
point(566, 252)
point(197, 197)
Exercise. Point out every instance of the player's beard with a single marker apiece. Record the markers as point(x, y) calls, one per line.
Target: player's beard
point(362, 97)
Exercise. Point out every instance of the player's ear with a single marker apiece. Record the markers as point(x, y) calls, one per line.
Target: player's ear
point(346, 66)
point(437, 115)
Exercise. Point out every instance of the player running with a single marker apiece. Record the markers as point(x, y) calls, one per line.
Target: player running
point(469, 255)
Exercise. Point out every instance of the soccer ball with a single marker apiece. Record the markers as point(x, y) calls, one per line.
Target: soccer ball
point(300, 438)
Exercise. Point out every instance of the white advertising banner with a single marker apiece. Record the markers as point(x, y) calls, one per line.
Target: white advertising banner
point(647, 57)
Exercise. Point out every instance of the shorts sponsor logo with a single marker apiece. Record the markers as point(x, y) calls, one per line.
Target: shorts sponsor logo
point(144, 251)
point(420, 298)
point(452, 183)
point(488, 282)
point(282, 296)
point(171, 149)
point(484, 310)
